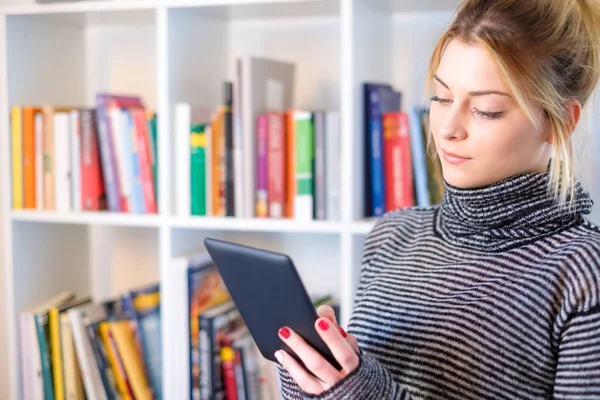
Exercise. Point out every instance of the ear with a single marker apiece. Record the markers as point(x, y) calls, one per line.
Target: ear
point(573, 109)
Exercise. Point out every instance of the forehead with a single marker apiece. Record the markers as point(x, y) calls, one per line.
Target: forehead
point(469, 67)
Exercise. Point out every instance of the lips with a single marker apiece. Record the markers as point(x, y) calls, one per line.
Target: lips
point(454, 159)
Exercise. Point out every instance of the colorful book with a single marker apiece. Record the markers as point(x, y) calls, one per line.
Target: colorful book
point(397, 159)
point(304, 172)
point(198, 169)
point(262, 176)
point(276, 173)
point(29, 158)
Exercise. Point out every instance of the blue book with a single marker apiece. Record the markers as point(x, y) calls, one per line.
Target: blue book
point(146, 302)
point(106, 374)
point(418, 157)
point(107, 155)
point(137, 190)
point(379, 99)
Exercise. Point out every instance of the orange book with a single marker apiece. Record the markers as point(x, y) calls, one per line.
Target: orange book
point(218, 167)
point(29, 156)
point(290, 164)
point(48, 136)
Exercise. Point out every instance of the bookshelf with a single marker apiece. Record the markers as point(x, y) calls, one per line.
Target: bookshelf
point(170, 51)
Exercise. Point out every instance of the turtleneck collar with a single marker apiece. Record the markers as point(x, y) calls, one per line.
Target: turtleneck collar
point(506, 214)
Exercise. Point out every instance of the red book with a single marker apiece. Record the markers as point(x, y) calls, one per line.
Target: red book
point(276, 162)
point(397, 162)
point(143, 145)
point(92, 183)
point(228, 369)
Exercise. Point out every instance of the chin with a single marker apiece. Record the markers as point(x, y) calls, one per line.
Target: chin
point(465, 179)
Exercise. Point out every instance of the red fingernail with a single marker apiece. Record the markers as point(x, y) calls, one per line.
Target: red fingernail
point(323, 325)
point(343, 332)
point(285, 332)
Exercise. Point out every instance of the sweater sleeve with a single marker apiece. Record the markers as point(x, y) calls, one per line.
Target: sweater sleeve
point(370, 380)
point(578, 366)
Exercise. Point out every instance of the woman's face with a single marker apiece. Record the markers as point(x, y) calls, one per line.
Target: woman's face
point(481, 134)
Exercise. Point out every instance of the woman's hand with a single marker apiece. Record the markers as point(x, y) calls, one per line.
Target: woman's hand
point(343, 346)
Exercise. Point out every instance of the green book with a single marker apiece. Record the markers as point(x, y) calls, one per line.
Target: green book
point(305, 154)
point(41, 326)
point(198, 169)
point(153, 155)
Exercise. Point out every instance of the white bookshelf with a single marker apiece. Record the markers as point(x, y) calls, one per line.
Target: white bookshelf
point(168, 51)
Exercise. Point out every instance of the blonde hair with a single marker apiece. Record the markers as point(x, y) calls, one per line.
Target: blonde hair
point(547, 53)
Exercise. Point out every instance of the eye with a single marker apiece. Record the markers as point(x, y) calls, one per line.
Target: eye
point(488, 115)
point(440, 100)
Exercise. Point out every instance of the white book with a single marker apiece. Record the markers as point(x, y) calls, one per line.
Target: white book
point(267, 85)
point(73, 388)
point(208, 169)
point(31, 364)
point(62, 163)
point(31, 386)
point(178, 321)
point(122, 160)
point(75, 136)
point(183, 124)
point(86, 359)
point(333, 161)
point(39, 161)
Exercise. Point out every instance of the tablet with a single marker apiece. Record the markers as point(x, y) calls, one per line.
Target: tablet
point(269, 294)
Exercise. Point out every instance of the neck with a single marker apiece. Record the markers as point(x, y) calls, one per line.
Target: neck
point(507, 214)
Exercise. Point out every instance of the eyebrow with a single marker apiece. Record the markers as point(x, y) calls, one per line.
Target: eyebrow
point(475, 93)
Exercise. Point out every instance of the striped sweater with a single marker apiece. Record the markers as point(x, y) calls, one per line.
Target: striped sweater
point(494, 294)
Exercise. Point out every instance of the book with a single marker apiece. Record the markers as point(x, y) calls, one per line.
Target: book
point(276, 167)
point(197, 287)
point(378, 98)
point(228, 136)
point(397, 159)
point(262, 174)
point(198, 169)
point(304, 171)
point(319, 167)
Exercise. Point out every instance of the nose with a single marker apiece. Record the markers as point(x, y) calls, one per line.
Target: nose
point(453, 126)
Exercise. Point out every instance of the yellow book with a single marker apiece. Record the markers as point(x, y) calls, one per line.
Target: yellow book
point(56, 351)
point(72, 374)
point(17, 156)
point(131, 358)
point(114, 360)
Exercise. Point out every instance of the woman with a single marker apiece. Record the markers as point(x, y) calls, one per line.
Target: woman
point(496, 292)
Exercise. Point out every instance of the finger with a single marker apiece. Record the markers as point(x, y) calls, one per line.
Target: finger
point(325, 311)
point(306, 381)
point(353, 342)
point(311, 358)
point(339, 346)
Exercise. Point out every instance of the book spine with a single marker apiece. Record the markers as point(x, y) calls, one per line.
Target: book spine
point(17, 157)
point(75, 142)
point(198, 172)
point(41, 321)
point(208, 154)
point(27, 377)
point(92, 185)
point(229, 375)
point(238, 143)
point(39, 161)
point(262, 166)
point(101, 354)
point(418, 159)
point(276, 165)
point(332, 171)
point(229, 164)
point(205, 355)
point(56, 354)
point(303, 202)
point(398, 179)
point(108, 158)
point(137, 188)
point(375, 153)
point(153, 151)
point(240, 374)
point(29, 158)
point(290, 164)
point(144, 153)
point(319, 183)
point(122, 141)
point(62, 167)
